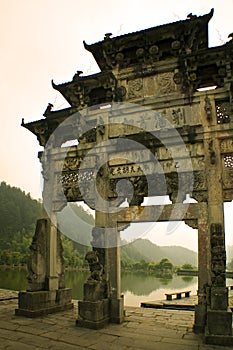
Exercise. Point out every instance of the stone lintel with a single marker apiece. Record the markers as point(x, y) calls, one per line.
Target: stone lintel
point(169, 212)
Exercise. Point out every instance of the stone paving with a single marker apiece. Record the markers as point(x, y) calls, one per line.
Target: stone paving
point(143, 329)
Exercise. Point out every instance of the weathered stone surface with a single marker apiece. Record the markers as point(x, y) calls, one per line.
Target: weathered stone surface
point(219, 322)
point(93, 314)
point(37, 259)
point(219, 298)
point(34, 304)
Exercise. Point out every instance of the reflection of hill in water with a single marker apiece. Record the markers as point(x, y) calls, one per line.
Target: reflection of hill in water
point(13, 279)
point(137, 283)
point(143, 284)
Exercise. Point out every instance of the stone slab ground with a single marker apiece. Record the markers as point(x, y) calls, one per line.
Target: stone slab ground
point(143, 329)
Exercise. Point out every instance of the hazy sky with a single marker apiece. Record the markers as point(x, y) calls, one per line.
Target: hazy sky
point(42, 40)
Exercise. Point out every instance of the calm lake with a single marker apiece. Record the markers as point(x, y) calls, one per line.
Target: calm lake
point(136, 287)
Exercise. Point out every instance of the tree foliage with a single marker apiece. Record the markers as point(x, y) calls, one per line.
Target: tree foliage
point(187, 267)
point(164, 267)
point(19, 213)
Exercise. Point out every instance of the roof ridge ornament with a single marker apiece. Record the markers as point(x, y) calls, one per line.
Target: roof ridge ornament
point(107, 36)
point(191, 16)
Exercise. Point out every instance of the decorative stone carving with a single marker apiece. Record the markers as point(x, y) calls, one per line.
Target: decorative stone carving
point(200, 196)
point(228, 161)
point(37, 268)
point(192, 223)
point(166, 83)
point(212, 153)
point(121, 93)
point(96, 268)
point(178, 78)
point(208, 109)
point(199, 181)
point(37, 260)
point(89, 136)
point(42, 133)
point(45, 165)
point(228, 178)
point(218, 255)
point(96, 287)
point(135, 88)
point(223, 112)
point(178, 117)
point(71, 163)
point(226, 145)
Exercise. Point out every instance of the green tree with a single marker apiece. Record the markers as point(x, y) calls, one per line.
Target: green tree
point(165, 264)
point(187, 267)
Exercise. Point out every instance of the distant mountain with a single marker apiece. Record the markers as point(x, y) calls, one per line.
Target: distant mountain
point(143, 249)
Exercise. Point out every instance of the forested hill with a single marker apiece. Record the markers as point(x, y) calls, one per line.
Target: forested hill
point(143, 249)
point(18, 214)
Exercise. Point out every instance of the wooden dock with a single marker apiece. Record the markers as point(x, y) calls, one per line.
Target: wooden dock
point(181, 304)
point(175, 304)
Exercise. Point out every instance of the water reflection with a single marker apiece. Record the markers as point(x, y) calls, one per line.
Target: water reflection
point(136, 287)
point(141, 283)
point(133, 285)
point(187, 279)
point(14, 279)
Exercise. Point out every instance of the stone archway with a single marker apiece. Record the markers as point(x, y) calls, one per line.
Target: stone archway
point(142, 119)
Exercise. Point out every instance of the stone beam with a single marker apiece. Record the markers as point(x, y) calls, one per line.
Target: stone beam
point(168, 212)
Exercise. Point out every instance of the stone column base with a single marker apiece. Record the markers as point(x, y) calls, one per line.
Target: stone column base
point(93, 314)
point(117, 314)
point(219, 324)
point(200, 318)
point(34, 304)
point(223, 340)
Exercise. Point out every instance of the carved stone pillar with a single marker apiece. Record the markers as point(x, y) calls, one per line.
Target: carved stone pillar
point(219, 315)
point(203, 269)
point(102, 302)
point(114, 267)
point(46, 292)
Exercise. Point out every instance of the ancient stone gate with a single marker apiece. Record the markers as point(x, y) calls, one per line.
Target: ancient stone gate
point(156, 121)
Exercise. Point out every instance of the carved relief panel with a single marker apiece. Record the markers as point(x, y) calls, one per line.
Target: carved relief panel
point(135, 88)
point(165, 83)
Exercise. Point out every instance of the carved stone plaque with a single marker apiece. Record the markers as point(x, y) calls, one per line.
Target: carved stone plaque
point(135, 88)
